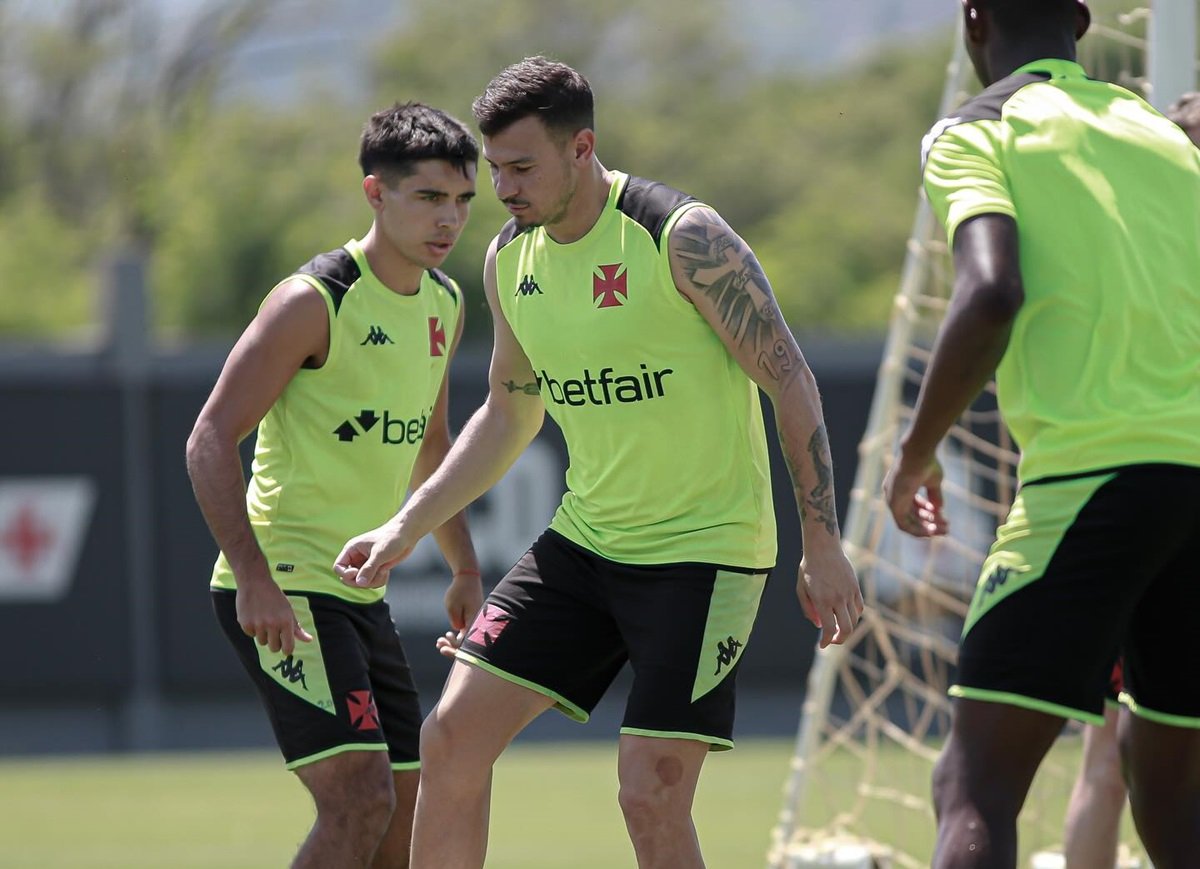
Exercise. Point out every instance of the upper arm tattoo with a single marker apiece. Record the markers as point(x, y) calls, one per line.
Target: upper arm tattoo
point(721, 267)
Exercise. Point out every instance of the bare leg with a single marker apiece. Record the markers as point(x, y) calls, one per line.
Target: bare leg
point(397, 841)
point(1097, 800)
point(354, 795)
point(476, 719)
point(1163, 768)
point(658, 783)
point(981, 781)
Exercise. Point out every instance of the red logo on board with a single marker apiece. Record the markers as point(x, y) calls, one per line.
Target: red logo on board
point(26, 538)
point(437, 337)
point(607, 285)
point(363, 713)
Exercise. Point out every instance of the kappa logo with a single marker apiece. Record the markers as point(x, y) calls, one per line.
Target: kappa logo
point(396, 430)
point(363, 713)
point(437, 337)
point(375, 337)
point(528, 287)
point(726, 652)
point(609, 284)
point(996, 578)
point(292, 669)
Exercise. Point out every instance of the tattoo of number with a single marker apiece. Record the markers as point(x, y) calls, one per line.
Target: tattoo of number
point(778, 362)
point(820, 499)
point(530, 388)
point(721, 267)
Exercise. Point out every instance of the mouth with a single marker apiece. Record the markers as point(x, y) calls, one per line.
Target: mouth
point(441, 248)
point(516, 207)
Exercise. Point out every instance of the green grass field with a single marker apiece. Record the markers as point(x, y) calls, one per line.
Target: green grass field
point(554, 806)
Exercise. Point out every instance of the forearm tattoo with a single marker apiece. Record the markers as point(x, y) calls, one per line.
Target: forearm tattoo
point(820, 497)
point(721, 267)
point(530, 388)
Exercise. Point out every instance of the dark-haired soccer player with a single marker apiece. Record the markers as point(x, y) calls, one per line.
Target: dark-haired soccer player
point(1071, 209)
point(646, 327)
point(343, 371)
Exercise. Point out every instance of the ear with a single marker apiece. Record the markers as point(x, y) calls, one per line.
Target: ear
point(373, 189)
point(583, 145)
point(1083, 19)
point(975, 22)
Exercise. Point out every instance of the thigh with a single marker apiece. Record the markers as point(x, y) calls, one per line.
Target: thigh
point(686, 627)
point(319, 699)
point(546, 627)
point(1056, 593)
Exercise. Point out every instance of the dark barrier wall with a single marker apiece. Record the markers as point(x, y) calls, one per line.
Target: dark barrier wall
point(63, 418)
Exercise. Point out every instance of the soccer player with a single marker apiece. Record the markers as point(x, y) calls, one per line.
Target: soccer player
point(1098, 796)
point(646, 327)
point(343, 371)
point(1070, 208)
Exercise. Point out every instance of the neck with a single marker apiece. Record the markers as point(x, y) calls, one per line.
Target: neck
point(397, 273)
point(587, 204)
point(1004, 58)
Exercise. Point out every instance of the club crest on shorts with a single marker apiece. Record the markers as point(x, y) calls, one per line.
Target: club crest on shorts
point(361, 706)
point(488, 626)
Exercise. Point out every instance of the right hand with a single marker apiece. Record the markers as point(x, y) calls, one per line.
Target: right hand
point(265, 613)
point(366, 560)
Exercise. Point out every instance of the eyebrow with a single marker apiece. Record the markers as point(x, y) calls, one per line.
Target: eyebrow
point(525, 159)
point(436, 192)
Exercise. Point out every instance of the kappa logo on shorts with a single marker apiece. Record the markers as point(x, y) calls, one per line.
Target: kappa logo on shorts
point(488, 626)
point(292, 669)
point(726, 652)
point(997, 578)
point(363, 714)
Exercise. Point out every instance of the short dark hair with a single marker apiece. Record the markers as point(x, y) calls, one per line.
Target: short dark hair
point(1025, 17)
point(1185, 112)
point(537, 86)
point(396, 138)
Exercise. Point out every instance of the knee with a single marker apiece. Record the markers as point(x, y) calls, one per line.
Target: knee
point(364, 802)
point(439, 737)
point(646, 795)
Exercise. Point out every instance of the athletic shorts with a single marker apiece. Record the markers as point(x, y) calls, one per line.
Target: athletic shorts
point(350, 689)
point(565, 620)
point(1086, 569)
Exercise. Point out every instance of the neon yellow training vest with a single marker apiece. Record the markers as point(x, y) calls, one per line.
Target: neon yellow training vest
point(668, 456)
point(336, 450)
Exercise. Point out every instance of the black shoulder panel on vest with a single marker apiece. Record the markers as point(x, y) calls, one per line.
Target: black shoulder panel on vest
point(651, 204)
point(337, 270)
point(988, 105)
point(444, 281)
point(508, 233)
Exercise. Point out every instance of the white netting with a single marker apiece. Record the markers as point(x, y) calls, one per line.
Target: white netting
point(876, 709)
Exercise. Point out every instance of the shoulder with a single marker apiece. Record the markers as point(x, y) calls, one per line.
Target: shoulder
point(986, 106)
point(507, 234)
point(651, 204)
point(446, 284)
point(336, 270)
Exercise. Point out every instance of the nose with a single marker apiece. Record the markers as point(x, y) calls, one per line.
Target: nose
point(450, 215)
point(505, 185)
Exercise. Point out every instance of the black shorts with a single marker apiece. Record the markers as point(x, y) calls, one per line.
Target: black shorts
point(565, 620)
point(1086, 569)
point(350, 689)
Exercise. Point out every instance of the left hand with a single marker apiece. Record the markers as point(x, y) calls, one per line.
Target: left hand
point(829, 594)
point(464, 598)
point(916, 514)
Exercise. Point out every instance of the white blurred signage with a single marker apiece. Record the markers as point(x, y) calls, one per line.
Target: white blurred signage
point(43, 522)
point(504, 522)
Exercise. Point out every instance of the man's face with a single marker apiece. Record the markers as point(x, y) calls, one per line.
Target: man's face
point(533, 173)
point(423, 214)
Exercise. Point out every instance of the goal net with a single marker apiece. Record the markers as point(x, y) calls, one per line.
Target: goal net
point(876, 709)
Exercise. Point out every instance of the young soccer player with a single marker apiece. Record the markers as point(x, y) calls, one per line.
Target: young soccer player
point(1070, 207)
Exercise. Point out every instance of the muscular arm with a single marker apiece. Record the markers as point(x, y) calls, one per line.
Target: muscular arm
point(487, 446)
point(290, 330)
point(988, 293)
point(720, 275)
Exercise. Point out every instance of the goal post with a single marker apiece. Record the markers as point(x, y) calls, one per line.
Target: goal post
point(876, 709)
